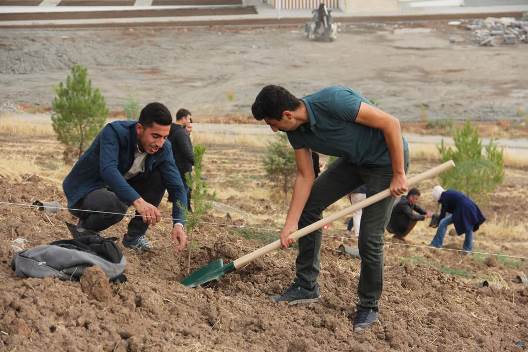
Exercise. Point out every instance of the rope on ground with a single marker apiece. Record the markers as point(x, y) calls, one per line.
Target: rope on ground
point(261, 229)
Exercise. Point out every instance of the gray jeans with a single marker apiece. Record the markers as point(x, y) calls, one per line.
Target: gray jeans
point(340, 179)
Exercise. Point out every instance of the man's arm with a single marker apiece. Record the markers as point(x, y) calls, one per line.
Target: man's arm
point(408, 211)
point(301, 191)
point(390, 126)
point(174, 185)
point(419, 209)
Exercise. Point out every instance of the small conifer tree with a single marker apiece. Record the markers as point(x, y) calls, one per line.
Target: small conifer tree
point(79, 111)
point(479, 169)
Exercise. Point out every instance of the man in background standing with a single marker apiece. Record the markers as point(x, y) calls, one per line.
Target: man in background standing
point(182, 147)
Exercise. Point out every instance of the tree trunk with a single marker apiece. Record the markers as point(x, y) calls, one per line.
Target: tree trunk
point(81, 142)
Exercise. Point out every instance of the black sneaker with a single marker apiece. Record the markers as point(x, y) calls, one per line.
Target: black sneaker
point(365, 317)
point(139, 243)
point(296, 294)
point(78, 231)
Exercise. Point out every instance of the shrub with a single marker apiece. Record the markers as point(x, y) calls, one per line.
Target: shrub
point(479, 169)
point(132, 109)
point(279, 164)
point(79, 111)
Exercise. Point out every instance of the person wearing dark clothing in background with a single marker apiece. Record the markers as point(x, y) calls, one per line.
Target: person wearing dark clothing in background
point(460, 210)
point(405, 214)
point(182, 148)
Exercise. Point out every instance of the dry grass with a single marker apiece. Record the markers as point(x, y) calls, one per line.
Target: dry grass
point(13, 127)
point(429, 152)
point(254, 141)
point(18, 168)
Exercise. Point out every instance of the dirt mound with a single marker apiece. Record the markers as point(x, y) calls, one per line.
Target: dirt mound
point(94, 283)
point(422, 308)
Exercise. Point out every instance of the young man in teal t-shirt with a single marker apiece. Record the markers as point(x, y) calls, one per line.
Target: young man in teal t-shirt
point(371, 151)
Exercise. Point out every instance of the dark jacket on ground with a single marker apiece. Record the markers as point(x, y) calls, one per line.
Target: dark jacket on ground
point(403, 214)
point(466, 214)
point(182, 149)
point(110, 156)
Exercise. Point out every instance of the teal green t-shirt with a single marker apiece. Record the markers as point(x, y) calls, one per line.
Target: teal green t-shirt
point(332, 129)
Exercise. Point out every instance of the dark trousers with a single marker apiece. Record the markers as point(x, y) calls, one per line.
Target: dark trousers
point(336, 182)
point(150, 187)
point(401, 233)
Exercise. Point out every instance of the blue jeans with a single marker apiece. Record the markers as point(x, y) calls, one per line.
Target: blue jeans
point(438, 240)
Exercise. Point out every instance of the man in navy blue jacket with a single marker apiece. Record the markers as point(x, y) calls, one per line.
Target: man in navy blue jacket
point(128, 163)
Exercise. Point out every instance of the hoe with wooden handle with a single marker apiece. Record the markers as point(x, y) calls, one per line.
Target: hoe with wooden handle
point(216, 269)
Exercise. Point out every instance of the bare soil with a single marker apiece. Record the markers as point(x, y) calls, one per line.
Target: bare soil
point(420, 70)
point(432, 301)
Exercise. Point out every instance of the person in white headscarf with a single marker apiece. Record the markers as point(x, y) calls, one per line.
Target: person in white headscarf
point(460, 210)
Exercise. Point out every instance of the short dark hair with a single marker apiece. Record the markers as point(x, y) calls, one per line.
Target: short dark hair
point(272, 101)
point(180, 114)
point(155, 113)
point(414, 192)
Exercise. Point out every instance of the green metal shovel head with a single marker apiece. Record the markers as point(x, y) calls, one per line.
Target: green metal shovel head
point(212, 271)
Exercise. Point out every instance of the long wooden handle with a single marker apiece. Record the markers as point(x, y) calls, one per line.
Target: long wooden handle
point(240, 262)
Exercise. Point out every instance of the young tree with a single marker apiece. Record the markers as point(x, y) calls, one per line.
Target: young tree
point(201, 198)
point(279, 163)
point(79, 111)
point(132, 109)
point(479, 169)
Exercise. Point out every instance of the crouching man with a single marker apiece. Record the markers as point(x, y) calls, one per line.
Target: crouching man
point(128, 164)
point(406, 214)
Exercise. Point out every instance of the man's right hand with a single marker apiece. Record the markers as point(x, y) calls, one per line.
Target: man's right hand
point(149, 213)
point(285, 234)
point(428, 214)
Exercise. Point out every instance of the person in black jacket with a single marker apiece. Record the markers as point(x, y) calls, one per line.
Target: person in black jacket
point(182, 147)
point(405, 214)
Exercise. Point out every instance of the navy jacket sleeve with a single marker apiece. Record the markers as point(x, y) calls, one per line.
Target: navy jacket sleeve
point(108, 166)
point(174, 185)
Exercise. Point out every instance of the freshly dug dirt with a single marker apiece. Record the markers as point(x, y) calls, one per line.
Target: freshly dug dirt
point(94, 283)
point(421, 308)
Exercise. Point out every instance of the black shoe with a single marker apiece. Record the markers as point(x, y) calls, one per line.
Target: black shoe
point(78, 231)
point(296, 294)
point(365, 317)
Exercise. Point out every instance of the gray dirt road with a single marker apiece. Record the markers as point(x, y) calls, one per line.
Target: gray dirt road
point(410, 73)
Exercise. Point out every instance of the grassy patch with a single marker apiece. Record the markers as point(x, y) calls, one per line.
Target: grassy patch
point(254, 234)
point(422, 261)
point(416, 260)
point(509, 262)
point(454, 271)
point(479, 257)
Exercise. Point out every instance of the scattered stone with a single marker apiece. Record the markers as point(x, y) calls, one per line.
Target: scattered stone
point(497, 31)
point(8, 106)
point(18, 244)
